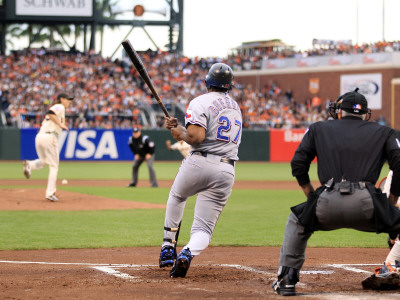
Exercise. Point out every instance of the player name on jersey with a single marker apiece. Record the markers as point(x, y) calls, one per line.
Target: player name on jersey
point(223, 103)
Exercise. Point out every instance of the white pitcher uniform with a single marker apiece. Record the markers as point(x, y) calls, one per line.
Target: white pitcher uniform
point(182, 147)
point(46, 143)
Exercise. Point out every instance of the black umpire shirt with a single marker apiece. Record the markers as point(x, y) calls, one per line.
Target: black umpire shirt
point(350, 149)
point(142, 145)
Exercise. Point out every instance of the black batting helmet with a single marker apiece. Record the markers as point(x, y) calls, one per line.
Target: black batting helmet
point(220, 75)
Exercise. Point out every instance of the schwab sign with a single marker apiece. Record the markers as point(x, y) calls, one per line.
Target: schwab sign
point(62, 8)
point(83, 144)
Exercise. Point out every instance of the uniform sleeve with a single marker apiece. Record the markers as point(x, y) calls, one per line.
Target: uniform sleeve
point(130, 143)
point(303, 157)
point(58, 109)
point(392, 150)
point(196, 115)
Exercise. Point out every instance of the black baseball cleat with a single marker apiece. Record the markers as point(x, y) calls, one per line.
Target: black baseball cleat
point(167, 256)
point(286, 283)
point(131, 185)
point(182, 264)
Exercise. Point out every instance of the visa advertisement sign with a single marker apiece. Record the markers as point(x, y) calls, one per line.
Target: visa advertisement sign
point(83, 144)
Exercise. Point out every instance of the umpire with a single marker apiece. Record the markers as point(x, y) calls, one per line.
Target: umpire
point(143, 150)
point(351, 153)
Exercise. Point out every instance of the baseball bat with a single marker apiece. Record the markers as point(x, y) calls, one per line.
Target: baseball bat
point(137, 62)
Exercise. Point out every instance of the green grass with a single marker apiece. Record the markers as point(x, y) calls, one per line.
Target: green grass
point(251, 217)
point(164, 170)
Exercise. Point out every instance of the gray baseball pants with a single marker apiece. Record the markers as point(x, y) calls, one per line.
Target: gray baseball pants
point(212, 181)
point(333, 211)
point(152, 172)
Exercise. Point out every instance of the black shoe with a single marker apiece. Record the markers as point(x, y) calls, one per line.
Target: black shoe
point(182, 264)
point(167, 257)
point(131, 185)
point(286, 283)
point(155, 185)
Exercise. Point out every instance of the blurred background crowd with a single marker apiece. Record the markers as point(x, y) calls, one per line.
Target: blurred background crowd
point(110, 93)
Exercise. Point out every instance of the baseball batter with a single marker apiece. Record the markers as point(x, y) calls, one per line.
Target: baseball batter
point(213, 129)
point(181, 146)
point(46, 143)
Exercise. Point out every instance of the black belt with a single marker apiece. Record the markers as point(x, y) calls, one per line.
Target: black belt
point(346, 187)
point(223, 159)
point(357, 185)
point(51, 132)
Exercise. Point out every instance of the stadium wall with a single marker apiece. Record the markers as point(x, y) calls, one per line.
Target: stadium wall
point(99, 144)
point(325, 82)
point(10, 143)
point(276, 145)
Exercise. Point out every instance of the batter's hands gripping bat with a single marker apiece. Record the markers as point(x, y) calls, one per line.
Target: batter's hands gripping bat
point(137, 62)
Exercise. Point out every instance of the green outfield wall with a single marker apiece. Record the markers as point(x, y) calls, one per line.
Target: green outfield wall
point(254, 145)
point(10, 144)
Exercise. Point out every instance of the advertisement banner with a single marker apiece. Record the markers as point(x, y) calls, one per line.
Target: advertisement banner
point(313, 86)
point(283, 144)
point(83, 144)
point(370, 86)
point(70, 8)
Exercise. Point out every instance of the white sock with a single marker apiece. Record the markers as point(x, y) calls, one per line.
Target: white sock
point(36, 164)
point(198, 242)
point(394, 254)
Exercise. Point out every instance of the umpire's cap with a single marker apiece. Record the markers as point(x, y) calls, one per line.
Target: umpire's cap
point(353, 102)
point(64, 95)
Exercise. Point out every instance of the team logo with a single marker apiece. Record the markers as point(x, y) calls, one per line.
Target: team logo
point(313, 85)
point(188, 114)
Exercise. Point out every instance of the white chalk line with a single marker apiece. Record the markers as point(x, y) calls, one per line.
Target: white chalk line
point(110, 269)
point(349, 267)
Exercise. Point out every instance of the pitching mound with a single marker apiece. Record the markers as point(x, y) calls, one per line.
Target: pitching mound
point(34, 199)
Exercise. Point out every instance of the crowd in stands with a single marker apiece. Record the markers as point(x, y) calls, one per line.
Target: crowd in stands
point(111, 94)
point(242, 60)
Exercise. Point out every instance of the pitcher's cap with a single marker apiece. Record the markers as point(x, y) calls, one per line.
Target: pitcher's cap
point(64, 95)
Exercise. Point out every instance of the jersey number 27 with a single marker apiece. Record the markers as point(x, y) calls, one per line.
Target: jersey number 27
point(223, 131)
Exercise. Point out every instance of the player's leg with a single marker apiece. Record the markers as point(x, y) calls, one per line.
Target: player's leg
point(135, 171)
point(52, 158)
point(217, 185)
point(152, 172)
point(186, 183)
point(209, 205)
point(292, 257)
point(41, 142)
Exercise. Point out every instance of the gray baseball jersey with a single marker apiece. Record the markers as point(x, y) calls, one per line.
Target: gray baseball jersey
point(209, 175)
point(221, 117)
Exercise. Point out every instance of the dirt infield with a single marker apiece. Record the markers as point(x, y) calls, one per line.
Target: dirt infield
point(133, 273)
point(219, 273)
